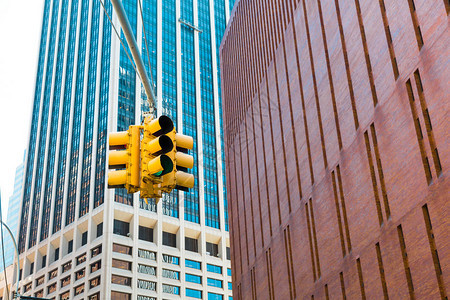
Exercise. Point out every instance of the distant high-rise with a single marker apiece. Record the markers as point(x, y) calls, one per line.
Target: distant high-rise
point(336, 129)
point(76, 236)
point(12, 219)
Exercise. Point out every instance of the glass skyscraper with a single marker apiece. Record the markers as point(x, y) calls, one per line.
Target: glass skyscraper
point(76, 237)
point(12, 219)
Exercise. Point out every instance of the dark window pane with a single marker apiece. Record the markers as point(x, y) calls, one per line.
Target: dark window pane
point(44, 261)
point(212, 249)
point(191, 244)
point(100, 229)
point(121, 228)
point(84, 237)
point(169, 239)
point(96, 251)
point(121, 264)
point(146, 234)
point(70, 246)
point(122, 249)
point(228, 253)
point(120, 296)
point(122, 280)
point(56, 254)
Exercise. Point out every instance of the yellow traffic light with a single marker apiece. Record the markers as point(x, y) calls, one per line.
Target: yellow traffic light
point(179, 178)
point(125, 155)
point(154, 159)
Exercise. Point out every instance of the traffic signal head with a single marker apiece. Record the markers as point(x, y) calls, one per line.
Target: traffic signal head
point(155, 161)
point(179, 178)
point(125, 156)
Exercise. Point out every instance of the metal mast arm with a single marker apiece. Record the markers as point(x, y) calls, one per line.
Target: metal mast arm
point(129, 36)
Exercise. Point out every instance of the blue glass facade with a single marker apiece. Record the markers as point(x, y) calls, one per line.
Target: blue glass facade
point(191, 198)
point(43, 127)
point(102, 131)
point(127, 91)
point(77, 112)
point(89, 110)
point(64, 128)
point(54, 122)
point(33, 131)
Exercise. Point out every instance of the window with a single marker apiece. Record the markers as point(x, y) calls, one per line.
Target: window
point(66, 267)
point(121, 228)
point(44, 261)
point(215, 283)
point(169, 239)
point(95, 296)
point(40, 281)
point(146, 234)
point(96, 266)
point(147, 270)
point(81, 259)
point(100, 229)
point(193, 278)
point(230, 286)
point(84, 238)
point(70, 246)
point(193, 264)
point(171, 289)
point(79, 290)
point(27, 287)
point(80, 274)
point(56, 254)
point(122, 280)
point(97, 250)
point(193, 293)
point(229, 272)
point(191, 244)
point(94, 282)
point(171, 274)
point(146, 254)
point(122, 249)
point(147, 285)
point(52, 274)
point(121, 264)
point(65, 296)
point(38, 294)
point(51, 288)
point(65, 281)
point(228, 253)
point(31, 268)
point(212, 249)
point(213, 296)
point(120, 296)
point(214, 269)
point(171, 259)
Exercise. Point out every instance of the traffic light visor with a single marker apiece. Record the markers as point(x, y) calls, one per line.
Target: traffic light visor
point(118, 139)
point(161, 125)
point(160, 165)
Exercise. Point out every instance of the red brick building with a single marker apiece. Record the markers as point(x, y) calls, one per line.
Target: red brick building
point(336, 117)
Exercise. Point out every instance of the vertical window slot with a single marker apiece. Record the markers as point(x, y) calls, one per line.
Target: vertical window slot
point(418, 129)
point(327, 294)
point(344, 209)
point(347, 65)
point(361, 280)
point(381, 268)
point(366, 53)
point(341, 276)
point(311, 247)
point(380, 171)
point(338, 213)
point(428, 126)
point(374, 179)
point(417, 31)
point(387, 31)
point(316, 247)
point(434, 251)
point(401, 239)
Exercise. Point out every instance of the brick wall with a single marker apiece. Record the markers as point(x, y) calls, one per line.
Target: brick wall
point(337, 148)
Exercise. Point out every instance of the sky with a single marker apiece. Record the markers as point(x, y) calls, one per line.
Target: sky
point(20, 26)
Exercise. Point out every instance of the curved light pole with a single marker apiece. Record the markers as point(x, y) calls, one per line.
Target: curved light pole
point(17, 255)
